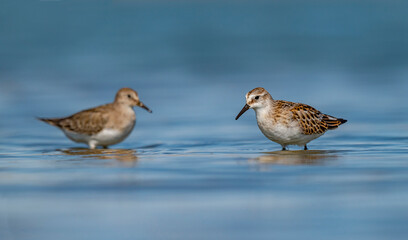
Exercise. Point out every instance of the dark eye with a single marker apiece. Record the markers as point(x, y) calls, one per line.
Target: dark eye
point(257, 97)
point(129, 96)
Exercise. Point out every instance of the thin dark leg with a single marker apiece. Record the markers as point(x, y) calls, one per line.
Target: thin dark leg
point(305, 148)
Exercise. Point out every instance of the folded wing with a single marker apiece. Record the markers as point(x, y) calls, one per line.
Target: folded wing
point(313, 121)
point(88, 122)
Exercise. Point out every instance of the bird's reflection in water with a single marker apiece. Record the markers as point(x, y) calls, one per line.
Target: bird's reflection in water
point(301, 157)
point(127, 157)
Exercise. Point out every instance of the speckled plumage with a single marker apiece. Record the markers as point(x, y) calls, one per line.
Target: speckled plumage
point(103, 125)
point(288, 123)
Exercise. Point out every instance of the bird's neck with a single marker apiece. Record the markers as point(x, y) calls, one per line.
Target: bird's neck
point(265, 111)
point(124, 107)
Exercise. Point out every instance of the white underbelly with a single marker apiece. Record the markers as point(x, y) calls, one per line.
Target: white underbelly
point(105, 137)
point(108, 137)
point(286, 134)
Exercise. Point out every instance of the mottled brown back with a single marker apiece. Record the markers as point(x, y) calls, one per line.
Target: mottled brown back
point(310, 119)
point(90, 121)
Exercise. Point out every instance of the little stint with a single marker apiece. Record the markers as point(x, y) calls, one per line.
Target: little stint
point(288, 123)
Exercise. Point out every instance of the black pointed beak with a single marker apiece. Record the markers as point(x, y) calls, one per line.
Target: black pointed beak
point(244, 109)
point(144, 107)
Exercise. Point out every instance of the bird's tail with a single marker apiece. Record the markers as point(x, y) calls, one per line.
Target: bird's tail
point(333, 122)
point(51, 121)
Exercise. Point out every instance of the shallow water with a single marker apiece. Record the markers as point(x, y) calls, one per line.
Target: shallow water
point(189, 170)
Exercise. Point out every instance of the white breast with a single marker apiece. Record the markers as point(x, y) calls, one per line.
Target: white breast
point(280, 133)
point(110, 136)
point(284, 133)
point(106, 137)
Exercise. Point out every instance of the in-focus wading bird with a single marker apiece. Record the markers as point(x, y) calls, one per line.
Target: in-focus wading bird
point(288, 123)
point(104, 125)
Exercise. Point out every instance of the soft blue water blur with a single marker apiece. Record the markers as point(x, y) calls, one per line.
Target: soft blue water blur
point(189, 170)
